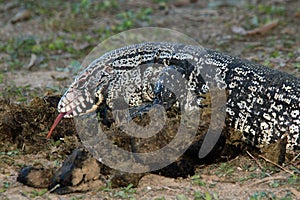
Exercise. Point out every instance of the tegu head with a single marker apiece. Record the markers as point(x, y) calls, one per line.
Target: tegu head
point(85, 94)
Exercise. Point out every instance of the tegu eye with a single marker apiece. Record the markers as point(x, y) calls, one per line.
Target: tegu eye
point(81, 82)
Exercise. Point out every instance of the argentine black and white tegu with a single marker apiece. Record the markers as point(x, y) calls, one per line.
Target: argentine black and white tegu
point(261, 103)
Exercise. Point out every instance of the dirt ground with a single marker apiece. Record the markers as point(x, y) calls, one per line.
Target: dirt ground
point(42, 44)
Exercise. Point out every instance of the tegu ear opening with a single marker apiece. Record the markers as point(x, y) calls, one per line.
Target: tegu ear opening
point(98, 97)
point(98, 100)
point(94, 108)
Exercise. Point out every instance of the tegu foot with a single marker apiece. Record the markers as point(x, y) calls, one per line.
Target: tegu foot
point(80, 172)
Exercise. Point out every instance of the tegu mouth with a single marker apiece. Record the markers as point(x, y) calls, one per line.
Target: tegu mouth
point(76, 103)
point(70, 108)
point(68, 114)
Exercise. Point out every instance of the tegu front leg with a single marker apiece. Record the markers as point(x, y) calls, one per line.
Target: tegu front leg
point(165, 91)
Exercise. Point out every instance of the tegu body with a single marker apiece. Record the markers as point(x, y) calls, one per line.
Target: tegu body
point(263, 104)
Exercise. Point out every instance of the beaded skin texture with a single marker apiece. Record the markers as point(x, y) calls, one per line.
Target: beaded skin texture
point(261, 103)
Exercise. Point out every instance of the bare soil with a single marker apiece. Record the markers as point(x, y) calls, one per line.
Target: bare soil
point(39, 52)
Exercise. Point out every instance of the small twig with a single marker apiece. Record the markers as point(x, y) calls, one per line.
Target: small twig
point(267, 179)
point(25, 195)
point(54, 188)
point(6, 156)
point(295, 192)
point(284, 169)
point(23, 147)
point(294, 159)
point(168, 188)
point(257, 162)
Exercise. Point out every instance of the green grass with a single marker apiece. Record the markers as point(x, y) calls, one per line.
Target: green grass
point(272, 9)
point(205, 196)
point(20, 93)
point(160, 1)
point(262, 195)
point(269, 195)
point(196, 179)
point(268, 9)
point(251, 176)
point(71, 18)
point(181, 197)
point(19, 48)
point(123, 193)
point(1, 77)
point(5, 186)
point(130, 18)
point(10, 153)
point(37, 193)
point(12, 90)
point(293, 179)
point(77, 198)
point(126, 192)
point(160, 198)
point(225, 169)
point(267, 14)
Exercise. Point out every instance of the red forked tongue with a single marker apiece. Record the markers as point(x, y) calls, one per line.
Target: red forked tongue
point(57, 120)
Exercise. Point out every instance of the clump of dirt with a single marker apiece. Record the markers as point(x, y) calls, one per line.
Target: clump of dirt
point(25, 126)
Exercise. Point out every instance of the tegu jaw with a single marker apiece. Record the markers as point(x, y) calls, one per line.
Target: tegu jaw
point(69, 106)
